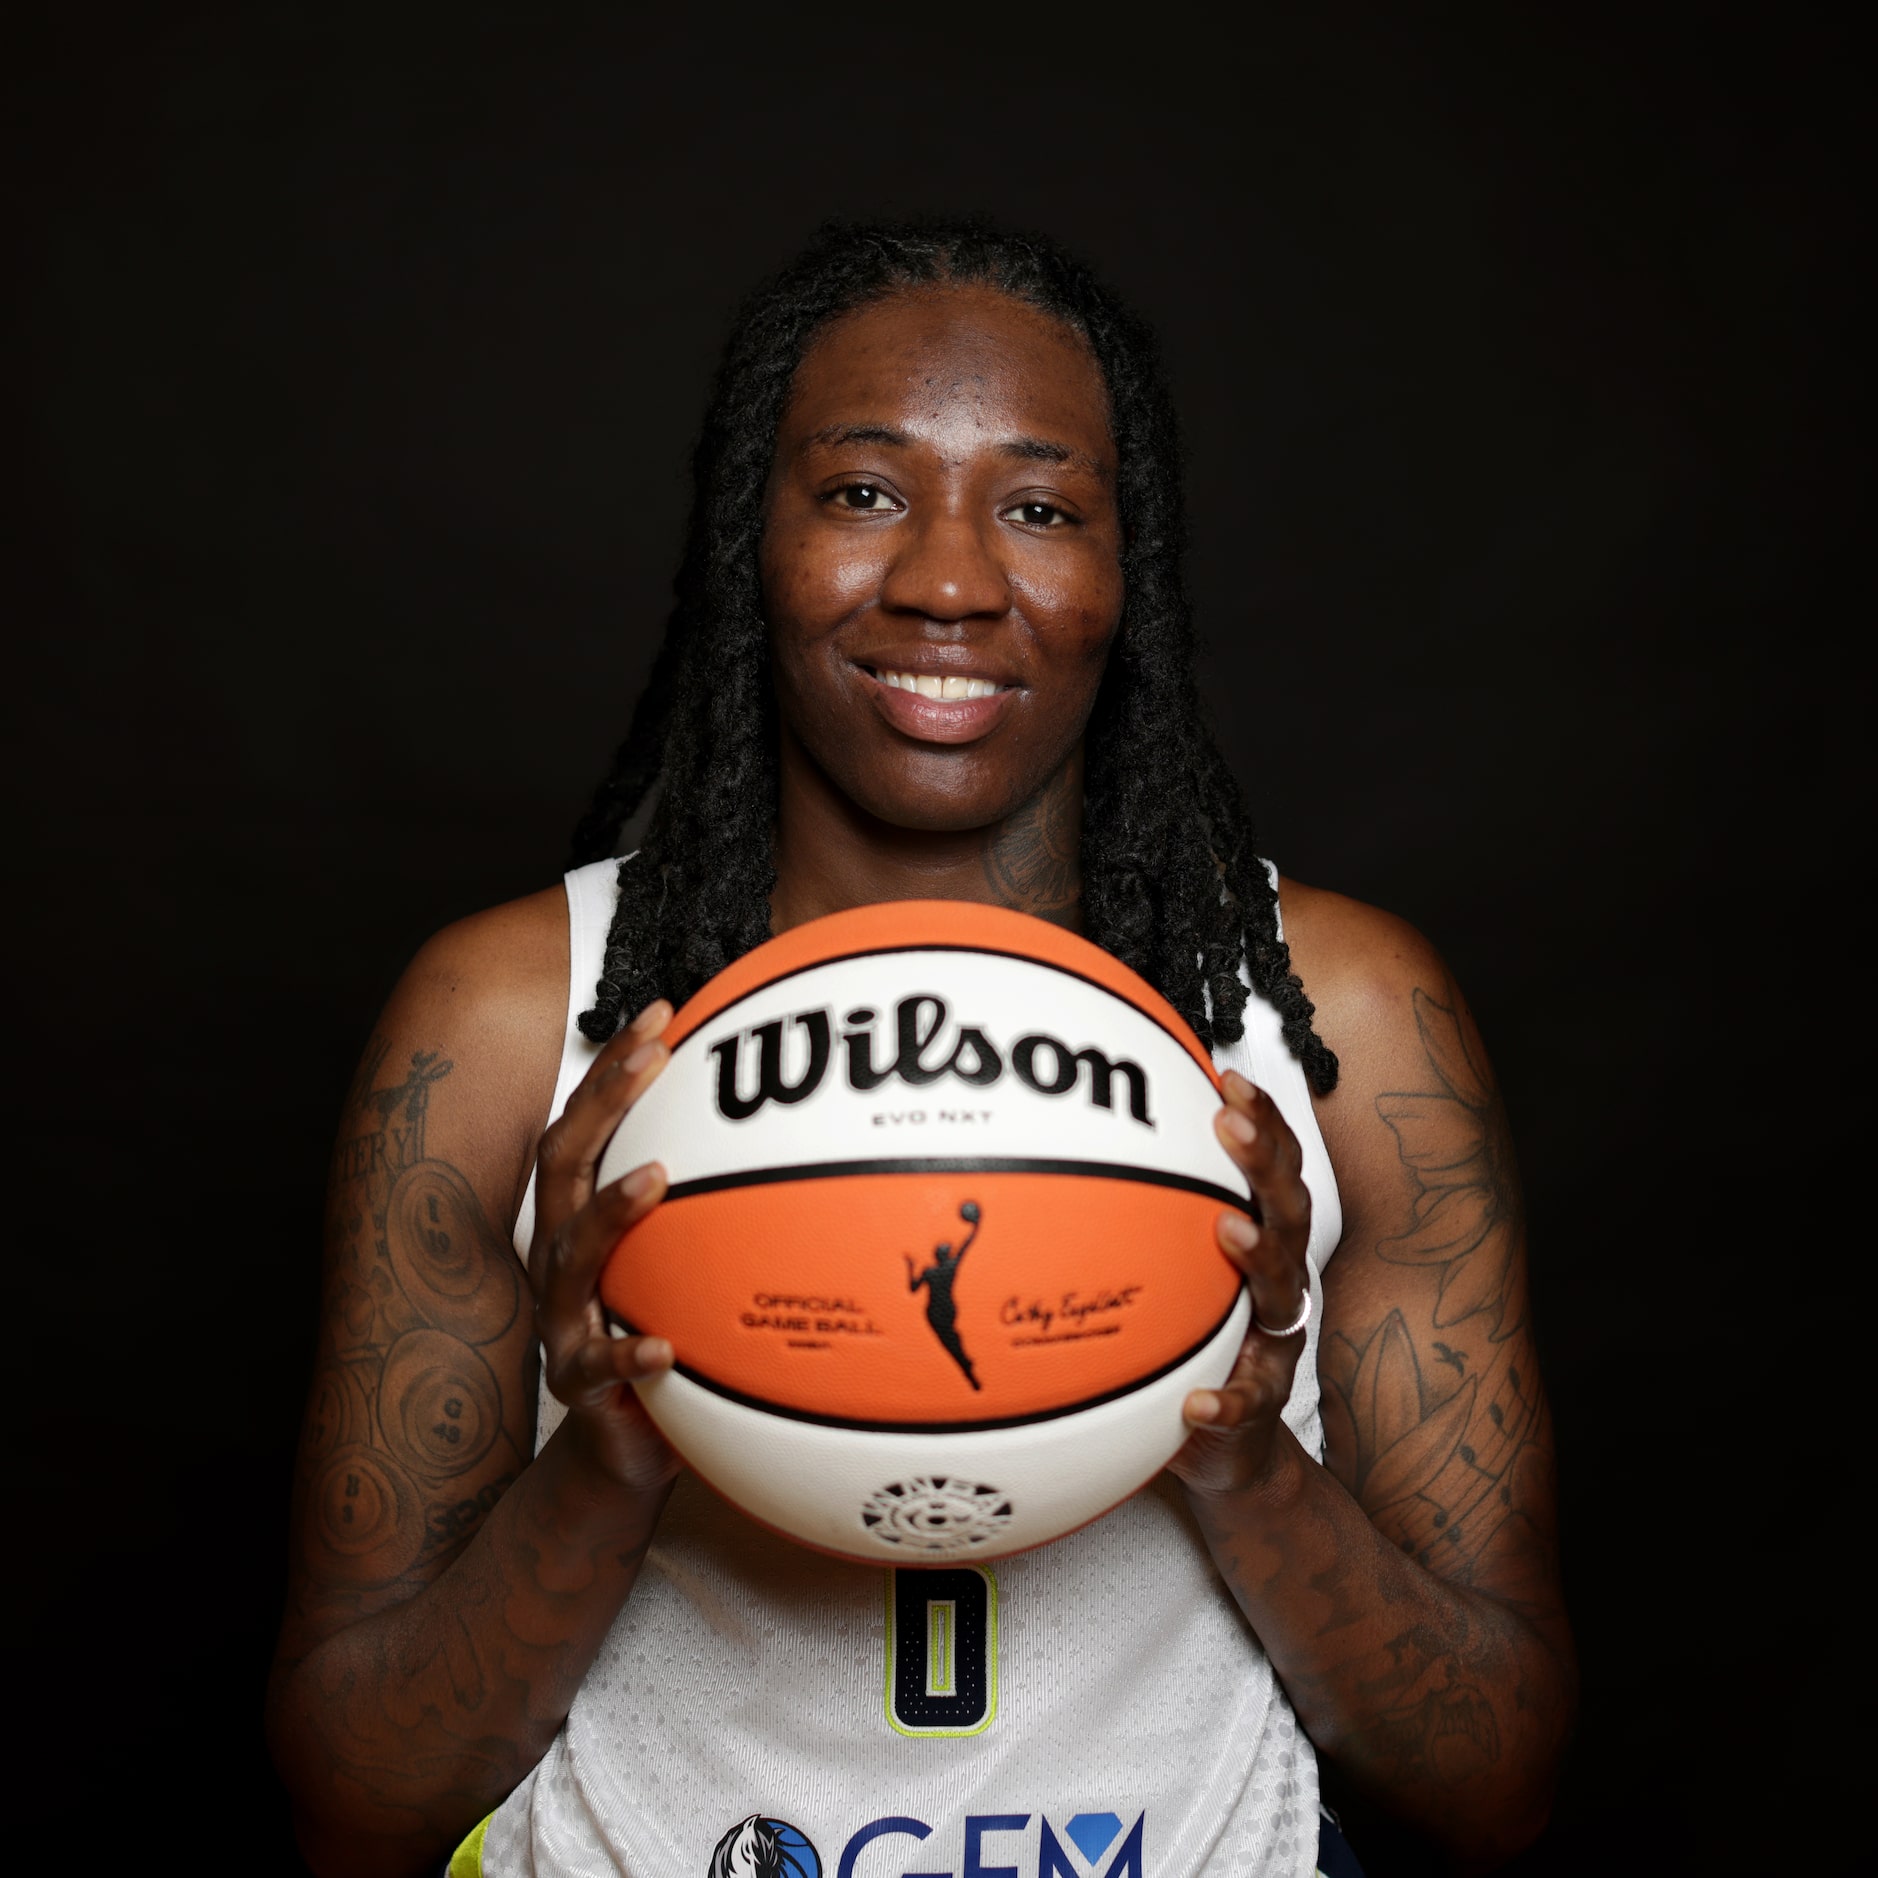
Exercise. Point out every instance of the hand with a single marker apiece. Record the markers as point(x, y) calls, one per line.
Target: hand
point(576, 1229)
point(1234, 1427)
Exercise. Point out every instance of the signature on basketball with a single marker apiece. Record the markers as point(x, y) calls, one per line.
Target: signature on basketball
point(1075, 1312)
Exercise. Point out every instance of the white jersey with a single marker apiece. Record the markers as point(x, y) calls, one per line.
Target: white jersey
point(1104, 1710)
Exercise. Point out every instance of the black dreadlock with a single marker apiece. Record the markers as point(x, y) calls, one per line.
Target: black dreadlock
point(1171, 882)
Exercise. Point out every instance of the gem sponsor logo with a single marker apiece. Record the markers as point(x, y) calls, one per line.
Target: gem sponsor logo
point(990, 1845)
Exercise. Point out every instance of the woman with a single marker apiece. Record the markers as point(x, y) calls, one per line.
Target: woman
point(930, 642)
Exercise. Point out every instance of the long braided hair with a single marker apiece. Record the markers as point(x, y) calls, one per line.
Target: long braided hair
point(1172, 885)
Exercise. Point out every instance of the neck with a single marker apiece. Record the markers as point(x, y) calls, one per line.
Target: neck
point(832, 855)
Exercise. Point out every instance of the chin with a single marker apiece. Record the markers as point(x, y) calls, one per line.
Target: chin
point(958, 822)
point(938, 795)
point(927, 813)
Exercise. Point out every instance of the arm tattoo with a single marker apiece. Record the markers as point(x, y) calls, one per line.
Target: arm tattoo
point(1454, 1143)
point(406, 1444)
point(1438, 1409)
point(1438, 1450)
point(1437, 1722)
point(1415, 1619)
point(410, 1715)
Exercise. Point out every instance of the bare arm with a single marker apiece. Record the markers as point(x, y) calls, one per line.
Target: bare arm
point(447, 1591)
point(1407, 1593)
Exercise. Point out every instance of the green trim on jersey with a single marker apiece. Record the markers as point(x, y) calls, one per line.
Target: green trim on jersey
point(467, 1860)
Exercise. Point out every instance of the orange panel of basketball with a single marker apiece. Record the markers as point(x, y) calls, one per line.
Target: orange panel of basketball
point(797, 1299)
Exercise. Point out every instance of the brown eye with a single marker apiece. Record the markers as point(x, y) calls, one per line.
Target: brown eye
point(1037, 514)
point(868, 498)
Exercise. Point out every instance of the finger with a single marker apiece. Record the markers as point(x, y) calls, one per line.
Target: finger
point(1221, 1410)
point(1276, 1273)
point(1258, 1388)
point(570, 1150)
point(1253, 1130)
point(1231, 1430)
point(652, 1020)
point(1255, 1133)
point(589, 1373)
point(619, 1055)
point(578, 1250)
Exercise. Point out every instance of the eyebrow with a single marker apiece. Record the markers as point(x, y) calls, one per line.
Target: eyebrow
point(860, 433)
point(1024, 449)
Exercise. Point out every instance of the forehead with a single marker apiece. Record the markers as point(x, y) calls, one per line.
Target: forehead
point(954, 359)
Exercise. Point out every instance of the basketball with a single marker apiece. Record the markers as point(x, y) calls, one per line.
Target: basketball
point(938, 1256)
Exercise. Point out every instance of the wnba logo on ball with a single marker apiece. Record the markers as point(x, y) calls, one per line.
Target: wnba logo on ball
point(924, 1048)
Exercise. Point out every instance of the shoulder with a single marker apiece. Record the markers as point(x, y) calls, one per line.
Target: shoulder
point(1387, 1004)
point(500, 973)
point(1358, 964)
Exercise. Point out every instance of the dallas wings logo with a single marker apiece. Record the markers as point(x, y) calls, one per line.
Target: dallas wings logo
point(764, 1848)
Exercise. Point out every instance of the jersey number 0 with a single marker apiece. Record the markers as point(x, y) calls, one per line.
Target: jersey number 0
point(942, 1650)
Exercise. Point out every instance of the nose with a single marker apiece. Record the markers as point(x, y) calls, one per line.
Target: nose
point(947, 566)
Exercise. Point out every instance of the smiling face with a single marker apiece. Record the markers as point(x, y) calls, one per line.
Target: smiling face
point(941, 560)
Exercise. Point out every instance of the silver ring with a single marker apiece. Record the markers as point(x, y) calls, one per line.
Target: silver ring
point(1291, 1329)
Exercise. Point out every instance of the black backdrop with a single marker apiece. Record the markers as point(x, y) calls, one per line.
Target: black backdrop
point(354, 369)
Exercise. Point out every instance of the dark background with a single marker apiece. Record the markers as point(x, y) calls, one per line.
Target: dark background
point(355, 361)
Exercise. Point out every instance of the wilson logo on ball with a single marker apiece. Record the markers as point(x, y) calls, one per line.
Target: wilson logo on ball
point(924, 1048)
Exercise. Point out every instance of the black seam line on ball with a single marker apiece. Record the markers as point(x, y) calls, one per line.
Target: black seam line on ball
point(873, 1425)
point(956, 1164)
point(983, 952)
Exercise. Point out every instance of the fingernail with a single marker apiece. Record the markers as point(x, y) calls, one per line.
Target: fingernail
point(653, 1017)
point(638, 1182)
point(1203, 1406)
point(1240, 1127)
point(1238, 1084)
point(1238, 1231)
point(641, 1057)
point(653, 1353)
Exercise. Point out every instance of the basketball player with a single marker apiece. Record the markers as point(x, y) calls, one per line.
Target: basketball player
point(930, 640)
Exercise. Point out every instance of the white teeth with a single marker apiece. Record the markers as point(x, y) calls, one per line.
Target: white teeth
point(938, 687)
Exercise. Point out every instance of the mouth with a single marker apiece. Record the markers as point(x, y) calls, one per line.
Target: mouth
point(935, 707)
point(949, 688)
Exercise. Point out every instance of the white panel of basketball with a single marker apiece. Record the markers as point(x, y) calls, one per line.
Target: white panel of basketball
point(871, 1494)
point(678, 1120)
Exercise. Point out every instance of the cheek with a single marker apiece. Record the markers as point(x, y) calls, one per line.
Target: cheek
point(1080, 612)
point(811, 582)
point(1102, 617)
